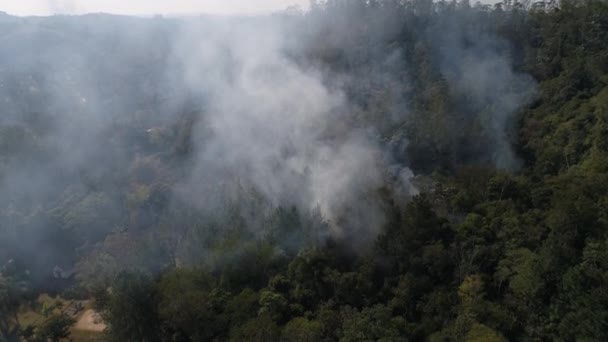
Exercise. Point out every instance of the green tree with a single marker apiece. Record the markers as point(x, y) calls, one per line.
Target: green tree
point(187, 305)
point(259, 329)
point(301, 329)
point(374, 323)
point(55, 329)
point(131, 311)
point(13, 293)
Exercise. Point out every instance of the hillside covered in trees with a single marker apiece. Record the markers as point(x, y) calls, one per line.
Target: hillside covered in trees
point(377, 170)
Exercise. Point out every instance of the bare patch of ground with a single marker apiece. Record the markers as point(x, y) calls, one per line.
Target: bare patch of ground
point(90, 321)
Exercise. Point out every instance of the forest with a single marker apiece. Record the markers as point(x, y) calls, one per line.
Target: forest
point(363, 170)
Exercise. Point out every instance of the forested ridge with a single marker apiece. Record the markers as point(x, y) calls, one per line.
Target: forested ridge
point(452, 184)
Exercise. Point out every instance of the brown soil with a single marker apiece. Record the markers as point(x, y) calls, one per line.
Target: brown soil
point(90, 321)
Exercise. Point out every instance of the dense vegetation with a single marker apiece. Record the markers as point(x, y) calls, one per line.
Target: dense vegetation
point(493, 246)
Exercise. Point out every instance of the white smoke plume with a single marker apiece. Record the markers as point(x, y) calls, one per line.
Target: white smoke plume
point(276, 126)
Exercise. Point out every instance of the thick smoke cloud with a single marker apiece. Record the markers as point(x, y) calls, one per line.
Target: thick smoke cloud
point(275, 125)
point(95, 108)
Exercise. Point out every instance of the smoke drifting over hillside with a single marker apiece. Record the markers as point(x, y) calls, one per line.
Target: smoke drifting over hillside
point(275, 125)
point(90, 99)
point(478, 66)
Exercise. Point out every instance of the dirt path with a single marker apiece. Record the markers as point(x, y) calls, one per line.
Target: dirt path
point(90, 321)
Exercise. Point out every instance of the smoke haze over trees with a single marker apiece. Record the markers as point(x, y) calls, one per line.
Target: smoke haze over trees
point(365, 170)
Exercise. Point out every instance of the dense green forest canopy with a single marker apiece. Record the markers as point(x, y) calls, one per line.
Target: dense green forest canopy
point(370, 170)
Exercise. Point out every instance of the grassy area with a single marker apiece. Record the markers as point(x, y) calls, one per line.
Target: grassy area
point(30, 318)
point(34, 316)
